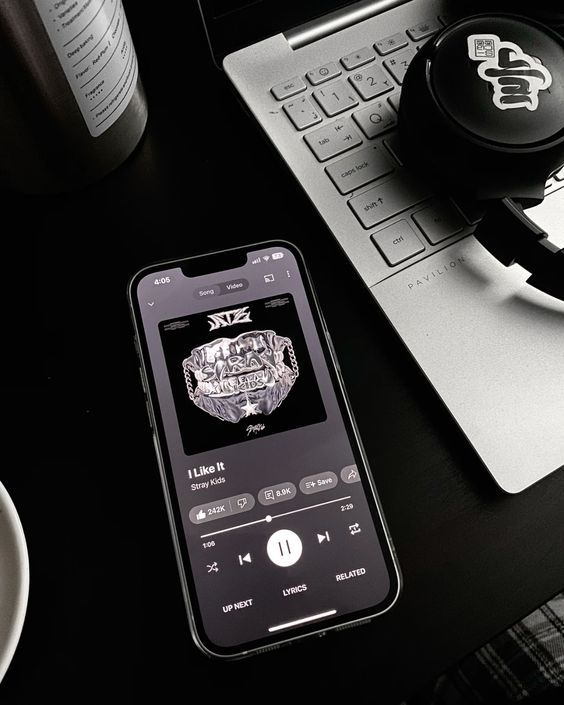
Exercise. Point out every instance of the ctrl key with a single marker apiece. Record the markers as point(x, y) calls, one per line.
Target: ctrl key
point(334, 139)
point(398, 242)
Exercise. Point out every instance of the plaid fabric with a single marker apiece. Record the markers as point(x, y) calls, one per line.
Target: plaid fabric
point(524, 664)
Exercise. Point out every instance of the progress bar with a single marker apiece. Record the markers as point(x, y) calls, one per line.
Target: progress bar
point(270, 517)
point(302, 621)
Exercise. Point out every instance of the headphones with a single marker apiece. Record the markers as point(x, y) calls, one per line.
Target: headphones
point(482, 112)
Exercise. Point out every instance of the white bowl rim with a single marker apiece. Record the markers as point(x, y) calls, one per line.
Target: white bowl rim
point(8, 649)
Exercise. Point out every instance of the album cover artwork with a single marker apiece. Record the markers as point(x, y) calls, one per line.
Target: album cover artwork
point(240, 373)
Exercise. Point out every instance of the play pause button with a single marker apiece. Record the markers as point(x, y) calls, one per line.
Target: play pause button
point(245, 559)
point(284, 548)
point(323, 537)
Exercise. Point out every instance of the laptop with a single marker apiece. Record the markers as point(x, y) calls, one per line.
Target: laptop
point(324, 79)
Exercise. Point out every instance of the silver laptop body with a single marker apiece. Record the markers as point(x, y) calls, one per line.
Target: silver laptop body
point(326, 94)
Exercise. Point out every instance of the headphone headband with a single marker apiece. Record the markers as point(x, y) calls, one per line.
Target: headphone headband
point(513, 238)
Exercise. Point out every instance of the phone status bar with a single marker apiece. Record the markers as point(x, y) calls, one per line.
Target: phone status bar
point(265, 259)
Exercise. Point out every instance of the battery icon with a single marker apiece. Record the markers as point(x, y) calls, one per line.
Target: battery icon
point(277, 255)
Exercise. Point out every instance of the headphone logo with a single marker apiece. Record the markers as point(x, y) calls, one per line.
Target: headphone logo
point(516, 77)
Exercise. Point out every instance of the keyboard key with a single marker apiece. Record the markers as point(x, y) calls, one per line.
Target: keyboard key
point(399, 64)
point(394, 101)
point(393, 146)
point(358, 58)
point(302, 113)
point(371, 82)
point(398, 242)
point(388, 199)
point(389, 44)
point(375, 119)
point(439, 221)
point(333, 139)
point(359, 169)
point(336, 98)
point(291, 87)
point(424, 29)
point(323, 73)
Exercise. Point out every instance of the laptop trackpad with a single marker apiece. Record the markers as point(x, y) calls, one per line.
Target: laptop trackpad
point(493, 347)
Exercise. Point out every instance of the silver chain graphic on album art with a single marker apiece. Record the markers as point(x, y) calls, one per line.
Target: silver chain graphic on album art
point(242, 376)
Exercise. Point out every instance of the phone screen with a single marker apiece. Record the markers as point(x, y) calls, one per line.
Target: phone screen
point(276, 519)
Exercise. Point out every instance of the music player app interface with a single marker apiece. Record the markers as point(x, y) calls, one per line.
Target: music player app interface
point(279, 519)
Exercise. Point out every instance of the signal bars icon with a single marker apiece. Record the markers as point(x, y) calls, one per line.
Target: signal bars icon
point(257, 260)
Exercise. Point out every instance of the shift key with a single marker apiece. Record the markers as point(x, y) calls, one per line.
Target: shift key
point(333, 139)
point(388, 199)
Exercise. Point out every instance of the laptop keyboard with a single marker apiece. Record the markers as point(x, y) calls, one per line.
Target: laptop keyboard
point(345, 111)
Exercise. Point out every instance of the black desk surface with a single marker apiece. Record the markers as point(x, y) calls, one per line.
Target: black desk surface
point(106, 618)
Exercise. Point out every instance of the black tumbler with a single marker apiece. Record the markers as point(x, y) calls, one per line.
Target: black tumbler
point(72, 106)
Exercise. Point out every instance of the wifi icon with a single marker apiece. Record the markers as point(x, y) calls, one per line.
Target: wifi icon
point(266, 258)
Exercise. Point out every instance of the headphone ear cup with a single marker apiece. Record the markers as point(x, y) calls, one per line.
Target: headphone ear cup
point(418, 137)
point(482, 108)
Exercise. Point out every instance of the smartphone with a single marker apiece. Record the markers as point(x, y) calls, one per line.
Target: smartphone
point(278, 531)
